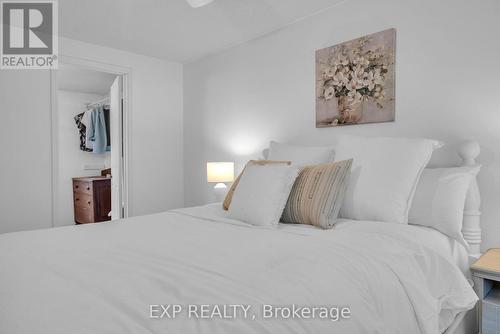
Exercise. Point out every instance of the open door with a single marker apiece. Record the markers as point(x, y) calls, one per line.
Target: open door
point(116, 134)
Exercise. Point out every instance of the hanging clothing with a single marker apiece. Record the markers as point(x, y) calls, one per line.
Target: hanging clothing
point(86, 117)
point(82, 130)
point(96, 137)
point(108, 128)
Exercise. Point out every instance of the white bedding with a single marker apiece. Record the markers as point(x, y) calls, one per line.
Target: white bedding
point(102, 278)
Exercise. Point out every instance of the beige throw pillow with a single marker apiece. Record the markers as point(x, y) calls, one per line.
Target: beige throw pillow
point(318, 194)
point(230, 193)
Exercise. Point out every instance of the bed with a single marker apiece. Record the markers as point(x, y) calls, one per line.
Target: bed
point(127, 276)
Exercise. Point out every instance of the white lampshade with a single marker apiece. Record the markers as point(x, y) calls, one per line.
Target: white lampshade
point(220, 172)
point(198, 3)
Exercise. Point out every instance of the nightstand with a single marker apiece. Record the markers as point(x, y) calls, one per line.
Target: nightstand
point(486, 272)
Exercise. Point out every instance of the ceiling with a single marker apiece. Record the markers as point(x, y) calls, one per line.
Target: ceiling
point(173, 30)
point(83, 81)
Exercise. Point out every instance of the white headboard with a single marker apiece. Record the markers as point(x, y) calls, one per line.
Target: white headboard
point(471, 228)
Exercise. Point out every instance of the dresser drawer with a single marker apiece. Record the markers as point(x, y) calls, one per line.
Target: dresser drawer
point(84, 215)
point(83, 200)
point(82, 187)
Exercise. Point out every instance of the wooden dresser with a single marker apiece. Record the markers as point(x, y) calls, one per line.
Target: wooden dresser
point(92, 199)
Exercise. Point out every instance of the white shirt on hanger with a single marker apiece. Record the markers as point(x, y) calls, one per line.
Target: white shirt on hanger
point(86, 117)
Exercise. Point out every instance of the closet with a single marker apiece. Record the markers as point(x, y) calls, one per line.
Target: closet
point(88, 146)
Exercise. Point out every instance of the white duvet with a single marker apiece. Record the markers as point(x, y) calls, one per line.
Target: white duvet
point(104, 278)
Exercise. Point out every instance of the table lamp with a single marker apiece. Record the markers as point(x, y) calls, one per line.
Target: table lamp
point(219, 173)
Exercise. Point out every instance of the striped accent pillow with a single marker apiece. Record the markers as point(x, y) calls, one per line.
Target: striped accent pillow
point(318, 194)
point(230, 193)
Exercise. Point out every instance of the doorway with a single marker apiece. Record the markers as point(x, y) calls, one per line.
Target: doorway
point(89, 146)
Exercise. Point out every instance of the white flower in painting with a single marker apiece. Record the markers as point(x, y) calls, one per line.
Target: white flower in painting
point(379, 93)
point(355, 84)
point(329, 93)
point(374, 78)
point(340, 79)
point(354, 96)
point(359, 72)
point(341, 60)
point(368, 82)
point(378, 79)
point(358, 81)
point(329, 72)
point(363, 61)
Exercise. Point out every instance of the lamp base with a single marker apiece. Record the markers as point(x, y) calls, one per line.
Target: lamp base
point(220, 190)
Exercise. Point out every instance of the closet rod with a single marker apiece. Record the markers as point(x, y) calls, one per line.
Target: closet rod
point(97, 102)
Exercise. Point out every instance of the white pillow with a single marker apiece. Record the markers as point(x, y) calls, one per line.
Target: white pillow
point(262, 193)
point(384, 175)
point(440, 198)
point(300, 155)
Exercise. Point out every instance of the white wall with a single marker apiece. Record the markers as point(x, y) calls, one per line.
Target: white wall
point(447, 88)
point(72, 160)
point(25, 183)
point(156, 168)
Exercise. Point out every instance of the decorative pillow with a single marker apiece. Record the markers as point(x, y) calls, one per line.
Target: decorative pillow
point(261, 194)
point(230, 193)
point(318, 194)
point(300, 155)
point(384, 175)
point(440, 199)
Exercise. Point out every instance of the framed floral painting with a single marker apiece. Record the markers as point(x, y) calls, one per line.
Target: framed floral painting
point(355, 81)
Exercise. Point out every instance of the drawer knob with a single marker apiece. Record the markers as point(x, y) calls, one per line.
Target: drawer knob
point(89, 202)
point(77, 186)
point(77, 199)
point(88, 188)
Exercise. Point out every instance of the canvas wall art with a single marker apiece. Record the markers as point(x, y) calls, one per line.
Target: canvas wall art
point(355, 81)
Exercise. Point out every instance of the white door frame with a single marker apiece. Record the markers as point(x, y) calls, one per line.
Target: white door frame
point(126, 74)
